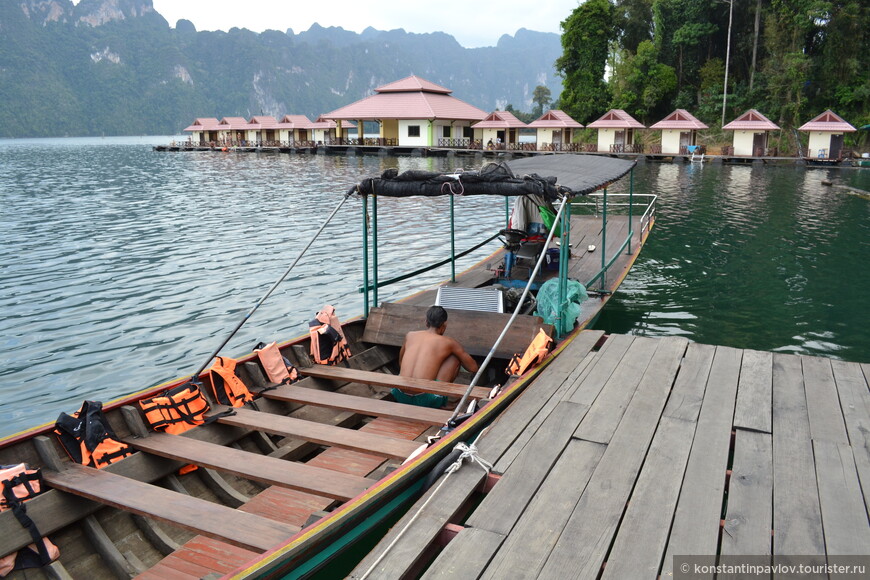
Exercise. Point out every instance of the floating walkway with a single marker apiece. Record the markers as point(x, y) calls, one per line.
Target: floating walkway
point(628, 451)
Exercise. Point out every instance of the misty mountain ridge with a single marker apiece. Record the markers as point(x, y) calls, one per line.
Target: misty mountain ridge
point(116, 67)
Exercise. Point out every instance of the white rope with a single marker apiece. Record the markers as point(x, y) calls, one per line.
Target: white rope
point(468, 452)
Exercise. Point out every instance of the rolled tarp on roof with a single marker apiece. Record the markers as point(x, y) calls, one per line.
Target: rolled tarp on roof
point(547, 176)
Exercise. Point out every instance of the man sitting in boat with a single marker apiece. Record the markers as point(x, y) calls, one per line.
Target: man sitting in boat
point(428, 354)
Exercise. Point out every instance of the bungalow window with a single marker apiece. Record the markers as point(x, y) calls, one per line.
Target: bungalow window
point(446, 131)
point(413, 130)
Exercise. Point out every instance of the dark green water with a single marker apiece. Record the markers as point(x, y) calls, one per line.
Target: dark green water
point(123, 267)
point(756, 257)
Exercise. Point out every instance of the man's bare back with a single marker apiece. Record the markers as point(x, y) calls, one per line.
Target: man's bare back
point(428, 354)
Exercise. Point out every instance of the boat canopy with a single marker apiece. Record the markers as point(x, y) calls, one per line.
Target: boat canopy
point(547, 176)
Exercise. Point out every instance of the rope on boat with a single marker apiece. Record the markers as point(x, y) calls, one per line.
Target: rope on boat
point(468, 452)
point(504, 332)
point(272, 289)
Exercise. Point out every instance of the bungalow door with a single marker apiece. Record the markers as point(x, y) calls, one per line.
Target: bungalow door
point(759, 144)
point(557, 137)
point(685, 139)
point(836, 146)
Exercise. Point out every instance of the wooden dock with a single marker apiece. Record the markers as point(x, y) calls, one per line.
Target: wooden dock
point(628, 451)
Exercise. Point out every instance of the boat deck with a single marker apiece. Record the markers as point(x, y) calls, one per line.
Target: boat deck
point(623, 457)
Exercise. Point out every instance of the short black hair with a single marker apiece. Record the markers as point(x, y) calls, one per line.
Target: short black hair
point(435, 317)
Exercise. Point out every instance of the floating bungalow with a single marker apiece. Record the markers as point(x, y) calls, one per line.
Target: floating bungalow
point(325, 130)
point(679, 133)
point(750, 135)
point(412, 112)
point(233, 130)
point(203, 130)
point(499, 130)
point(295, 129)
point(554, 131)
point(616, 132)
point(263, 129)
point(826, 136)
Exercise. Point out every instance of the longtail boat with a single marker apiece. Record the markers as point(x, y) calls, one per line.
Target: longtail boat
point(298, 479)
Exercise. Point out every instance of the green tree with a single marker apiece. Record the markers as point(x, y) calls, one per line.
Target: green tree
point(586, 37)
point(642, 85)
point(541, 97)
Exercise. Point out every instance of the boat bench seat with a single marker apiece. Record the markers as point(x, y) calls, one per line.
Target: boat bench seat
point(198, 515)
point(269, 470)
point(384, 380)
point(319, 433)
point(476, 331)
point(361, 405)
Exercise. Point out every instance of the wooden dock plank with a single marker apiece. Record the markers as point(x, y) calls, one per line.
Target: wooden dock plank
point(643, 534)
point(262, 468)
point(589, 531)
point(361, 405)
point(587, 387)
point(198, 515)
point(748, 519)
point(466, 555)
point(695, 528)
point(823, 402)
point(384, 380)
point(844, 515)
point(755, 391)
point(502, 506)
point(797, 518)
point(320, 433)
point(855, 402)
point(606, 412)
point(525, 550)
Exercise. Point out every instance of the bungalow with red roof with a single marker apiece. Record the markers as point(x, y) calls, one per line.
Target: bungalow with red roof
point(679, 132)
point(750, 133)
point(499, 130)
point(233, 130)
point(263, 130)
point(554, 131)
point(203, 130)
point(826, 135)
point(294, 129)
point(413, 112)
point(616, 132)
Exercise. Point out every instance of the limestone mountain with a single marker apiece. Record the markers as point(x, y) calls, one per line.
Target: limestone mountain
point(116, 67)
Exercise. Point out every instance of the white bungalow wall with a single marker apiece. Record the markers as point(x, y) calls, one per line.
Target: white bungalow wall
point(743, 142)
point(606, 138)
point(405, 140)
point(671, 141)
point(820, 144)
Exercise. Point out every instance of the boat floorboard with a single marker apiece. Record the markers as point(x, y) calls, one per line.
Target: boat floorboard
point(650, 449)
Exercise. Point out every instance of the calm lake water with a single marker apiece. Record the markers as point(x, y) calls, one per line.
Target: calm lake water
point(123, 267)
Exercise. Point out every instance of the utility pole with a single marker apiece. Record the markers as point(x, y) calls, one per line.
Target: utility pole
point(727, 58)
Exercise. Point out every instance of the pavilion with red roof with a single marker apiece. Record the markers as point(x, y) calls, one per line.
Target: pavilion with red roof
point(679, 132)
point(554, 131)
point(499, 130)
point(616, 132)
point(413, 112)
point(826, 135)
point(203, 130)
point(750, 133)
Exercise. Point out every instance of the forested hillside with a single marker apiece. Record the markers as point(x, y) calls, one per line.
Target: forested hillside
point(790, 59)
point(116, 67)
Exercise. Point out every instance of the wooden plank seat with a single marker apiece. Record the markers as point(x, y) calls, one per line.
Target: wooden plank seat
point(476, 331)
point(320, 433)
point(201, 516)
point(361, 405)
point(270, 470)
point(384, 380)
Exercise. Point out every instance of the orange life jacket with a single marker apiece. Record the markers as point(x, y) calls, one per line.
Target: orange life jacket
point(278, 369)
point(228, 388)
point(88, 438)
point(328, 344)
point(176, 410)
point(19, 484)
point(535, 353)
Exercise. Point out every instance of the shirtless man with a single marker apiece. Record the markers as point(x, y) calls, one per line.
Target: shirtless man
point(428, 354)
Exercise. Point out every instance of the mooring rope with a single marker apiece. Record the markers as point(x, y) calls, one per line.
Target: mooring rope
point(468, 452)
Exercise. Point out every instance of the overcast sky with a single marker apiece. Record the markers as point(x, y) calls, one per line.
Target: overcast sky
point(473, 23)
